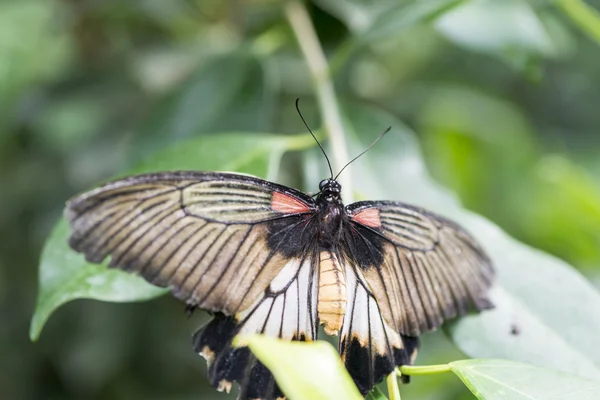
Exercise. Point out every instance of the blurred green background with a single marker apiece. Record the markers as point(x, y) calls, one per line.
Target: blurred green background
point(504, 95)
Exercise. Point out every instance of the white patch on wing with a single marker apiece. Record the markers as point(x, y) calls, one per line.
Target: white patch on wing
point(257, 319)
point(273, 325)
point(378, 333)
point(363, 318)
point(315, 298)
point(303, 286)
point(290, 317)
point(283, 308)
point(285, 276)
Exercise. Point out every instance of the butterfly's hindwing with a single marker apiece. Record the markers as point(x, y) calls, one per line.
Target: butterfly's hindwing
point(287, 309)
point(421, 268)
point(370, 348)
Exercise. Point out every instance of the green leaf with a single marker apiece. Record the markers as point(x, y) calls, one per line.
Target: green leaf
point(546, 312)
point(509, 30)
point(233, 83)
point(565, 208)
point(494, 166)
point(65, 275)
point(583, 15)
point(503, 379)
point(512, 31)
point(33, 48)
point(304, 371)
point(406, 15)
point(481, 161)
point(373, 21)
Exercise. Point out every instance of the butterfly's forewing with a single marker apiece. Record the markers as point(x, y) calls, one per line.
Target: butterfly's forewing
point(215, 239)
point(421, 268)
point(231, 244)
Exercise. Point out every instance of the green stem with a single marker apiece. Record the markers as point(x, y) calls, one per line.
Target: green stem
point(392, 384)
point(583, 15)
point(424, 370)
point(306, 36)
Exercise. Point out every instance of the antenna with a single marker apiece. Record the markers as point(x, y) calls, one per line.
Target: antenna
point(314, 137)
point(364, 151)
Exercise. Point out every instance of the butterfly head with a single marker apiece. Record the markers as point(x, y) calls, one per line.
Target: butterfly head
point(329, 191)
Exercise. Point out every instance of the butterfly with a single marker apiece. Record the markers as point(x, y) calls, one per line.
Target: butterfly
point(266, 258)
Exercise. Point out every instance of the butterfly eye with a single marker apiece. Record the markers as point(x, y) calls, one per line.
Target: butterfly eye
point(323, 183)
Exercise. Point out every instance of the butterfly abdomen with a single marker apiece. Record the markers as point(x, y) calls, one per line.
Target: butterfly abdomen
point(332, 293)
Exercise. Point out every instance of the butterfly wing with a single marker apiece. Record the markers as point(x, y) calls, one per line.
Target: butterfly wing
point(287, 309)
point(421, 268)
point(234, 245)
point(215, 239)
point(369, 345)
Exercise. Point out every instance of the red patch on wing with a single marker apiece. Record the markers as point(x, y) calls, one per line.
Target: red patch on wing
point(369, 217)
point(288, 204)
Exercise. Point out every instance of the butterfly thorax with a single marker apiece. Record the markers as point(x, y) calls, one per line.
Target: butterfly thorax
point(330, 212)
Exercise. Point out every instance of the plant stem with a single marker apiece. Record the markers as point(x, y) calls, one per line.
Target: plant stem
point(306, 36)
point(392, 384)
point(424, 370)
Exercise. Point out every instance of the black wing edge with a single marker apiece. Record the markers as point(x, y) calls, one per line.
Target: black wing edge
point(367, 368)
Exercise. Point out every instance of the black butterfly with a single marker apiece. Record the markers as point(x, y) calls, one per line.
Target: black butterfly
point(270, 259)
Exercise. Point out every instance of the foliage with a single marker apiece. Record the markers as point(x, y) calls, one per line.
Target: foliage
point(503, 96)
point(488, 379)
point(501, 379)
point(540, 315)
